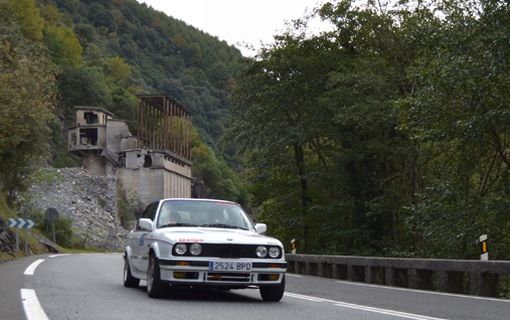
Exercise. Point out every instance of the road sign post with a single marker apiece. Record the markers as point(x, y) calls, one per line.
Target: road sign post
point(51, 219)
point(484, 249)
point(20, 223)
point(293, 246)
point(17, 241)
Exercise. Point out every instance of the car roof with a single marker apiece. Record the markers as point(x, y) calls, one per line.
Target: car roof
point(200, 199)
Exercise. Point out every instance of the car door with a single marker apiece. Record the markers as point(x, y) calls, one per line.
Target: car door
point(137, 239)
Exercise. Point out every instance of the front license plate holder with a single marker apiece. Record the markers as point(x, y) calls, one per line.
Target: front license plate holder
point(229, 266)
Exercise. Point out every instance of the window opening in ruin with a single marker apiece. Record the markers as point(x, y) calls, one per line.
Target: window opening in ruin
point(147, 161)
point(91, 117)
point(88, 136)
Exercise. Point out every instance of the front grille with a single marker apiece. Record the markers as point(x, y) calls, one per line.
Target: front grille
point(232, 251)
point(228, 277)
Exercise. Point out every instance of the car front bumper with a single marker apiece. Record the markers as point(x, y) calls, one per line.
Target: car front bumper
point(197, 272)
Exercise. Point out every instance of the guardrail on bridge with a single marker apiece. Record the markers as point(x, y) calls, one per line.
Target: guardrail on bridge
point(454, 276)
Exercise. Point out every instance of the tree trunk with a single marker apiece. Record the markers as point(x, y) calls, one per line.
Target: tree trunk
point(305, 197)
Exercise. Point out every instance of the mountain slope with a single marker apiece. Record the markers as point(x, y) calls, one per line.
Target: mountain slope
point(165, 55)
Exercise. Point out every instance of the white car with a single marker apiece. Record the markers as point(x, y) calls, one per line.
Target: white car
point(203, 243)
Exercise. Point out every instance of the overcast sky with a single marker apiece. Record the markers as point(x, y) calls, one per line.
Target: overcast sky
point(237, 21)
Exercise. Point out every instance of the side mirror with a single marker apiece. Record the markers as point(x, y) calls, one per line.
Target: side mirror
point(145, 224)
point(261, 228)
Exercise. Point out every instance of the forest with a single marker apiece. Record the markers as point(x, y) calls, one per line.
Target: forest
point(55, 55)
point(386, 135)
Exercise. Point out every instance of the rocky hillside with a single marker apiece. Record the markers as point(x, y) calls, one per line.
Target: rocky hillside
point(89, 201)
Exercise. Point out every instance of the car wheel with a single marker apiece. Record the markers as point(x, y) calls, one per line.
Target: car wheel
point(273, 293)
point(155, 288)
point(129, 280)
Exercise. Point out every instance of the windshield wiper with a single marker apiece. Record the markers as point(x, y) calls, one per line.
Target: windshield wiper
point(178, 224)
point(222, 225)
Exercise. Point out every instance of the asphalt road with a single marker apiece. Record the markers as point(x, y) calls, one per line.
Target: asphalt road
point(89, 286)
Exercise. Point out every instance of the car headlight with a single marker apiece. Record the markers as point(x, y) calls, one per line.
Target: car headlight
point(274, 252)
point(261, 251)
point(181, 249)
point(195, 249)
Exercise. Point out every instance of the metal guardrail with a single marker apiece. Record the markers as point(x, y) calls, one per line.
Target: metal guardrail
point(454, 276)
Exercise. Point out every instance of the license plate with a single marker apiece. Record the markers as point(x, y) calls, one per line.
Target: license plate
point(229, 266)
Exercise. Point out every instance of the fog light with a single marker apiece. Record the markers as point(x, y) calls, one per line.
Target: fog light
point(182, 263)
point(179, 275)
point(272, 277)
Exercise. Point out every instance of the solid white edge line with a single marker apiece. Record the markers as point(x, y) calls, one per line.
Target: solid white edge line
point(387, 311)
point(31, 306)
point(422, 291)
point(297, 296)
point(293, 275)
point(29, 271)
point(59, 255)
point(364, 308)
point(382, 311)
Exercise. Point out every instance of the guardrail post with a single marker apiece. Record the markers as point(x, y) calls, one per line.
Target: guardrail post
point(389, 276)
point(441, 281)
point(320, 269)
point(334, 271)
point(308, 267)
point(368, 274)
point(413, 280)
point(475, 281)
point(291, 266)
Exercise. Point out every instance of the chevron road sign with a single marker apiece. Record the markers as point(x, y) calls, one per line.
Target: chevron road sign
point(21, 223)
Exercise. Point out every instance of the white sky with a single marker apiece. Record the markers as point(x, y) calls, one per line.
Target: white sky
point(238, 22)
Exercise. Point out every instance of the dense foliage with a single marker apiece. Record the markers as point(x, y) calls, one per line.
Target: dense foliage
point(387, 135)
point(165, 55)
point(55, 55)
point(27, 93)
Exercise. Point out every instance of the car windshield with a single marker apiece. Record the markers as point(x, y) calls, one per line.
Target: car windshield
point(213, 214)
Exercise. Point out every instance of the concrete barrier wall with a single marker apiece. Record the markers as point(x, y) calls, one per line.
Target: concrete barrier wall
point(454, 276)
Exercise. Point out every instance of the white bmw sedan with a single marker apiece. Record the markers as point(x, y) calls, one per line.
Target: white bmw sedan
point(203, 243)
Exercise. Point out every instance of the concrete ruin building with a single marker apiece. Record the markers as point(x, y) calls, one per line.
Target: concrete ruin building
point(154, 164)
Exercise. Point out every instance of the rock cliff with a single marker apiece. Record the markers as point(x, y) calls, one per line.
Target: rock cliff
point(89, 201)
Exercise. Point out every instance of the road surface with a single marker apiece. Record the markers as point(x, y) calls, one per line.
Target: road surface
point(89, 286)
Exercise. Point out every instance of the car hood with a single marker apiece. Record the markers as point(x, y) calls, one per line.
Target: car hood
point(215, 235)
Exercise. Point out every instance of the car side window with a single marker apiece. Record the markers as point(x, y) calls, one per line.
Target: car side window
point(149, 212)
point(152, 211)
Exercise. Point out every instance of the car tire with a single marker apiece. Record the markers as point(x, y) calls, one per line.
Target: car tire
point(129, 280)
point(273, 293)
point(155, 288)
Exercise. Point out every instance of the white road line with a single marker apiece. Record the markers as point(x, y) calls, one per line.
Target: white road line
point(386, 311)
point(293, 275)
point(31, 268)
point(297, 296)
point(32, 307)
point(59, 255)
point(363, 308)
point(423, 291)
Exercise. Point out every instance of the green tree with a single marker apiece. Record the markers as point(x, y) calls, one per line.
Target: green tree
point(64, 46)
point(27, 94)
point(28, 15)
point(117, 69)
